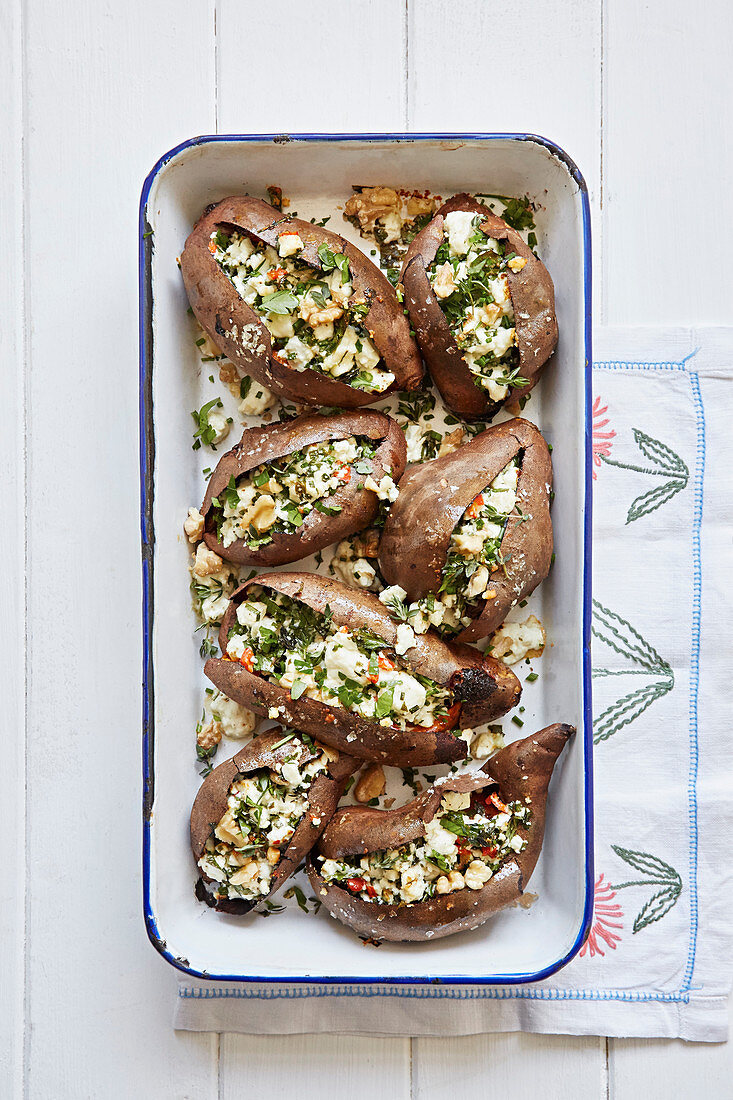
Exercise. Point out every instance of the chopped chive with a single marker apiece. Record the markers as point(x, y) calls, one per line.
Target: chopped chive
point(283, 742)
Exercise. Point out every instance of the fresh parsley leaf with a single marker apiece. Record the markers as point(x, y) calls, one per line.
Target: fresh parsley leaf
point(204, 433)
point(331, 260)
point(385, 702)
point(281, 302)
point(297, 893)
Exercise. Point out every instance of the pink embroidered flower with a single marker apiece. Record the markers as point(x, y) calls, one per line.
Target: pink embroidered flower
point(601, 440)
point(603, 911)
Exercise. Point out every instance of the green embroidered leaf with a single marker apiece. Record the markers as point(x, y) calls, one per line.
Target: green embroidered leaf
point(628, 708)
point(655, 498)
point(657, 906)
point(621, 636)
point(648, 865)
point(661, 454)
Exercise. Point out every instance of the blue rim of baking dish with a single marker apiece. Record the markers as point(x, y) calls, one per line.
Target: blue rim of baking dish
point(147, 464)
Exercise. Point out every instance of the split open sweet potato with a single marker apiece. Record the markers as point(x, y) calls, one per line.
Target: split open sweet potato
point(290, 641)
point(322, 326)
point(270, 753)
point(502, 825)
point(346, 507)
point(435, 496)
point(467, 392)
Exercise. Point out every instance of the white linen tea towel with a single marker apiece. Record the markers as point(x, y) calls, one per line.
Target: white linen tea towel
point(659, 956)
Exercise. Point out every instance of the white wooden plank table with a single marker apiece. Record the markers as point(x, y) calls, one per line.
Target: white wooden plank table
point(93, 92)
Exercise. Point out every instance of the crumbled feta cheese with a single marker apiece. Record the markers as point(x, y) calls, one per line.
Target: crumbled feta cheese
point(405, 638)
point(257, 401)
point(220, 425)
point(353, 569)
point(279, 325)
point(236, 647)
point(439, 839)
point(236, 721)
point(512, 642)
point(456, 800)
point(483, 745)
point(194, 525)
point(288, 244)
point(458, 226)
point(297, 353)
point(290, 773)
point(391, 594)
point(385, 490)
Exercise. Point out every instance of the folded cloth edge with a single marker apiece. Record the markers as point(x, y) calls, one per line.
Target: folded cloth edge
point(257, 1012)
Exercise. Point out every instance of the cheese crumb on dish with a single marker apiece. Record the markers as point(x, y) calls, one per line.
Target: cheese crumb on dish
point(512, 642)
point(212, 583)
point(351, 565)
point(257, 398)
point(234, 720)
point(194, 525)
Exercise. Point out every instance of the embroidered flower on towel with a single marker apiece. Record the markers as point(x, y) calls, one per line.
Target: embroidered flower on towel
point(603, 910)
point(601, 440)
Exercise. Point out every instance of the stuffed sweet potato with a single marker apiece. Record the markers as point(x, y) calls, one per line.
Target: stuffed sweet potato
point(470, 534)
point(449, 859)
point(297, 307)
point(482, 306)
point(291, 488)
point(257, 815)
point(328, 659)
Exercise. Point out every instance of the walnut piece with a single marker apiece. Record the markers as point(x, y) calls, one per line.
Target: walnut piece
point(209, 735)
point(207, 562)
point(371, 783)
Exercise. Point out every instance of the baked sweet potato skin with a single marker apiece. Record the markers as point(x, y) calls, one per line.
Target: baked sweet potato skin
point(264, 752)
point(485, 687)
point(269, 442)
point(521, 770)
point(238, 330)
point(533, 299)
point(434, 496)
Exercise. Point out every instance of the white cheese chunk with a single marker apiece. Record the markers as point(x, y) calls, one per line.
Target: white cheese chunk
point(458, 227)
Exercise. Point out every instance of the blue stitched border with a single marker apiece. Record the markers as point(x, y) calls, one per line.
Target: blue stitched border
point(454, 993)
point(695, 669)
point(533, 993)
